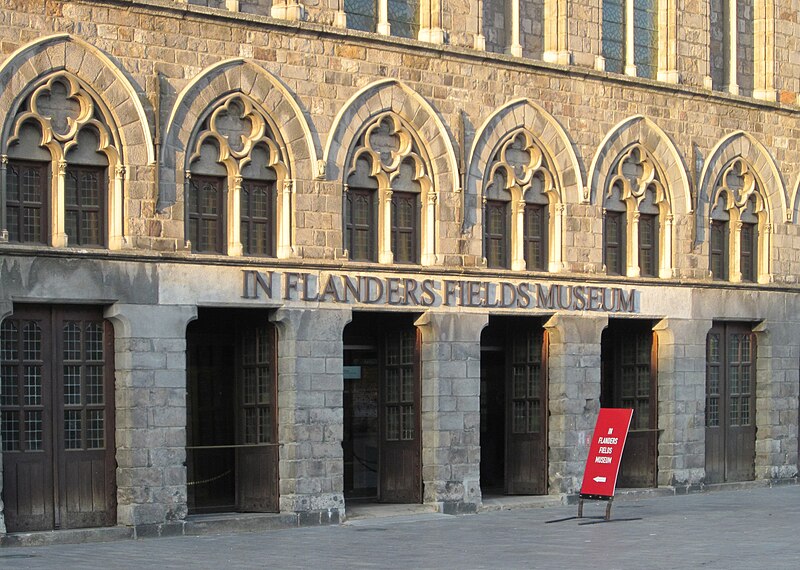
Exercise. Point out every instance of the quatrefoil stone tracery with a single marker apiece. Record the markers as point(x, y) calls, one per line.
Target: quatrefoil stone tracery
point(238, 124)
point(392, 153)
point(517, 162)
point(61, 106)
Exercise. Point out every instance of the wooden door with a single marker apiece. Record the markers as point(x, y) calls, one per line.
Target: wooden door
point(232, 452)
point(399, 454)
point(57, 411)
point(526, 413)
point(730, 403)
point(256, 450)
point(629, 381)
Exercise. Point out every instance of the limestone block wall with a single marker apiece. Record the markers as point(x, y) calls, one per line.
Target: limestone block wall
point(310, 410)
point(574, 365)
point(450, 409)
point(150, 394)
point(681, 400)
point(321, 87)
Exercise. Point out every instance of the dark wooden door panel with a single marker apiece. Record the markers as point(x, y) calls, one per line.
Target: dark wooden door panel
point(637, 468)
point(730, 403)
point(526, 412)
point(399, 454)
point(88, 495)
point(232, 455)
point(28, 495)
point(257, 480)
point(57, 406)
point(400, 474)
point(629, 381)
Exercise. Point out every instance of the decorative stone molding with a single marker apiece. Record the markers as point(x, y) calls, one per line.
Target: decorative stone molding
point(388, 145)
point(275, 101)
point(62, 106)
point(760, 164)
point(551, 149)
point(235, 126)
point(738, 192)
point(635, 174)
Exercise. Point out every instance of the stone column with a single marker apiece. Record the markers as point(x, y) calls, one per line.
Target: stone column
point(311, 412)
point(681, 369)
point(764, 50)
point(574, 393)
point(513, 45)
point(668, 41)
point(777, 355)
point(450, 409)
point(150, 393)
point(556, 32)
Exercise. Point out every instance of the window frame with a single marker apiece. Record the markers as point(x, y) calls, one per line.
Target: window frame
point(352, 229)
point(249, 221)
point(412, 230)
point(44, 206)
point(82, 210)
point(650, 229)
point(195, 227)
point(501, 237)
point(719, 250)
point(619, 268)
point(538, 242)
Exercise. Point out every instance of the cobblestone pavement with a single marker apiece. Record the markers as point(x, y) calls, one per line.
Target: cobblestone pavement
point(746, 529)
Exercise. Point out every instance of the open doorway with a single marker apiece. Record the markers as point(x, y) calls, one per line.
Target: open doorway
point(382, 443)
point(231, 452)
point(629, 351)
point(513, 407)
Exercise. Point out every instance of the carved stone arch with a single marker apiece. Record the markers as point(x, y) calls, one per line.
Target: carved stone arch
point(641, 130)
point(237, 126)
point(390, 96)
point(760, 162)
point(374, 143)
point(112, 85)
point(278, 104)
point(740, 155)
point(558, 160)
point(793, 215)
point(640, 142)
point(65, 109)
point(547, 133)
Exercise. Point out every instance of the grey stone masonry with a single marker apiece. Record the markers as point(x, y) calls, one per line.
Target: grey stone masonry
point(450, 414)
point(681, 400)
point(150, 391)
point(574, 382)
point(776, 399)
point(311, 413)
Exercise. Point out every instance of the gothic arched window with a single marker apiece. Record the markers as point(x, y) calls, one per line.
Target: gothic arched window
point(738, 226)
point(63, 176)
point(238, 192)
point(518, 198)
point(388, 204)
point(637, 218)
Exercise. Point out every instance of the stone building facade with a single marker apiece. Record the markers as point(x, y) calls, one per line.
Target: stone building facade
point(276, 257)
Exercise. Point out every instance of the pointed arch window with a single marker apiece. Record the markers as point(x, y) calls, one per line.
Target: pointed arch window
point(389, 205)
point(738, 227)
point(62, 180)
point(637, 218)
point(361, 215)
point(520, 199)
point(238, 190)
